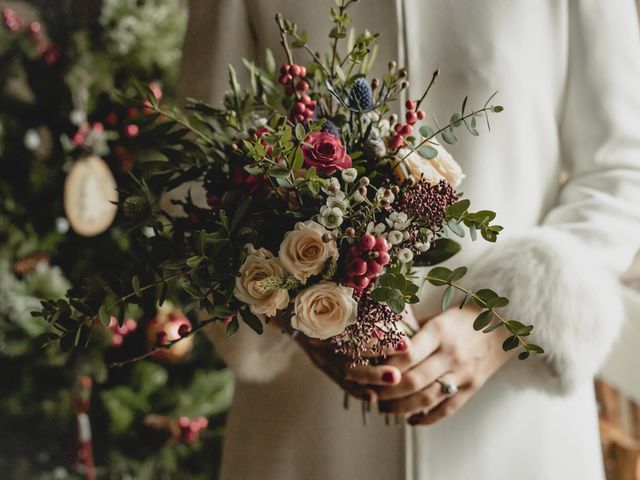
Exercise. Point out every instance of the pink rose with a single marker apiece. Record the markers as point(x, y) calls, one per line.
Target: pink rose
point(325, 152)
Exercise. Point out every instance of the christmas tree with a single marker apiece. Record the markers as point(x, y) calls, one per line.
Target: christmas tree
point(69, 415)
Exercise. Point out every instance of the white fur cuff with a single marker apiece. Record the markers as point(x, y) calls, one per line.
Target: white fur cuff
point(554, 283)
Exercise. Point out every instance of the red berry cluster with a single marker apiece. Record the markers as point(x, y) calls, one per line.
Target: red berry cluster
point(80, 137)
point(302, 110)
point(406, 130)
point(11, 20)
point(119, 332)
point(365, 260)
point(49, 53)
point(132, 130)
point(190, 428)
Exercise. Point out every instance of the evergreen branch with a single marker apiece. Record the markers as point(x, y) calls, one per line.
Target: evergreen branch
point(163, 346)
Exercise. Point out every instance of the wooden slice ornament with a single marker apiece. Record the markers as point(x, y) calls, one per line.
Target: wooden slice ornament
point(90, 196)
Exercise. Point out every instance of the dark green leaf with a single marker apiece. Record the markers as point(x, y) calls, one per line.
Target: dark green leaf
point(457, 274)
point(194, 261)
point(441, 250)
point(252, 321)
point(380, 294)
point(510, 343)
point(396, 304)
point(81, 307)
point(458, 209)
point(534, 348)
point(232, 327)
point(523, 355)
point(482, 320)
point(498, 302)
point(438, 276)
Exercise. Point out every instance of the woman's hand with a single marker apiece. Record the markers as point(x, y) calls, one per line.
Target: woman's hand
point(446, 349)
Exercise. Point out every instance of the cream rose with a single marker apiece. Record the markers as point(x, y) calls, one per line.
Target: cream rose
point(302, 251)
point(260, 264)
point(324, 310)
point(441, 167)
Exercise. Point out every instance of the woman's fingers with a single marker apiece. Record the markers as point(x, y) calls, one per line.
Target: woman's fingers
point(445, 409)
point(417, 378)
point(374, 375)
point(419, 347)
point(424, 400)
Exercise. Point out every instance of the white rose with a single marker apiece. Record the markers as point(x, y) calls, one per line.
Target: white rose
point(302, 251)
point(441, 167)
point(447, 166)
point(324, 310)
point(260, 264)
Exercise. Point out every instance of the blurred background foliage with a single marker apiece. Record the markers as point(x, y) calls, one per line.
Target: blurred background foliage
point(60, 63)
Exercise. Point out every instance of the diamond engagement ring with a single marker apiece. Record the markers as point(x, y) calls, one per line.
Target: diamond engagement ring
point(449, 389)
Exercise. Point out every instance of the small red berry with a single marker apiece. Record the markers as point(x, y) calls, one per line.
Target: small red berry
point(302, 86)
point(406, 131)
point(396, 141)
point(78, 138)
point(412, 117)
point(367, 242)
point(285, 68)
point(410, 104)
point(383, 258)
point(131, 131)
point(306, 99)
point(111, 119)
point(294, 70)
point(357, 266)
point(303, 71)
point(420, 114)
point(284, 79)
point(362, 282)
point(300, 117)
point(312, 105)
point(373, 268)
point(397, 127)
point(184, 329)
point(381, 245)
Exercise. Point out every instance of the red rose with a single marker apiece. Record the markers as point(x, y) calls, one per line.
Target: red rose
point(325, 152)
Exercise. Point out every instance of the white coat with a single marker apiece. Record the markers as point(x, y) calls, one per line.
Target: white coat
point(568, 76)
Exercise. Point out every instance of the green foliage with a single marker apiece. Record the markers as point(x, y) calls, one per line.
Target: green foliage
point(489, 301)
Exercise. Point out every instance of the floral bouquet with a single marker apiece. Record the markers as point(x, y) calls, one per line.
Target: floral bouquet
point(320, 206)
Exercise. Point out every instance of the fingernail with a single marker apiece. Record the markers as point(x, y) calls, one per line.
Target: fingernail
point(388, 377)
point(414, 419)
point(401, 346)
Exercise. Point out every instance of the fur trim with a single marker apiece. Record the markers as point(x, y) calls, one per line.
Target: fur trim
point(554, 283)
point(253, 358)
